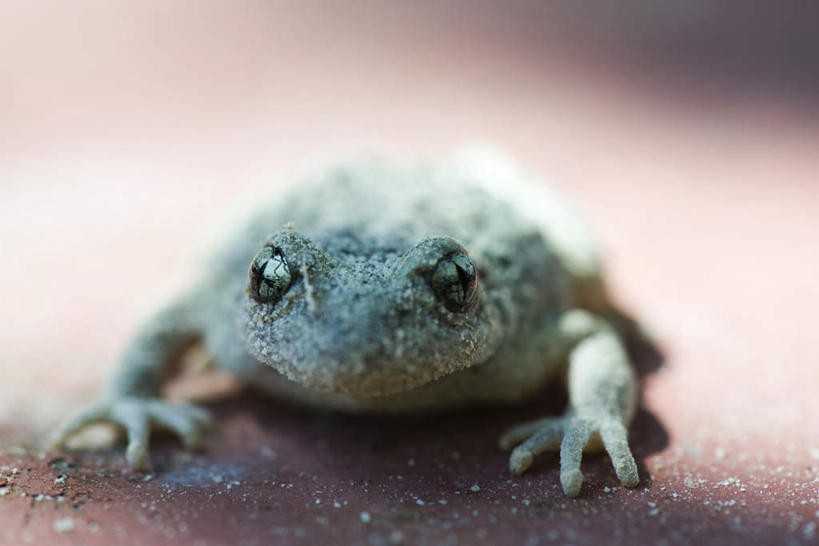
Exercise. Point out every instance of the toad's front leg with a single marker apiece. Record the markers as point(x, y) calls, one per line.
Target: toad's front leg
point(133, 402)
point(602, 401)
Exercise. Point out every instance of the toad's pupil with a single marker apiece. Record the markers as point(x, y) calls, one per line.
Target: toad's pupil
point(454, 282)
point(275, 269)
point(269, 275)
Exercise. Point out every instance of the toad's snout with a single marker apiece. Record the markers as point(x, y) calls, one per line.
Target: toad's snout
point(361, 343)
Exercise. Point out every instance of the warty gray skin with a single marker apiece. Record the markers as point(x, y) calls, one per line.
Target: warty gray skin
point(359, 325)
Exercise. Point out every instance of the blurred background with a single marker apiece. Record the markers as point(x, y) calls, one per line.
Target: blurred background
point(687, 131)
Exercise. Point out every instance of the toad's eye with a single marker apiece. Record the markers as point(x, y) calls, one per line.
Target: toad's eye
point(269, 275)
point(455, 282)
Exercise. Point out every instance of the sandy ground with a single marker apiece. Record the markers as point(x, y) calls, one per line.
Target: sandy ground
point(691, 140)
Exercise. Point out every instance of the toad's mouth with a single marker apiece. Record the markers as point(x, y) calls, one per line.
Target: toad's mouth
point(366, 378)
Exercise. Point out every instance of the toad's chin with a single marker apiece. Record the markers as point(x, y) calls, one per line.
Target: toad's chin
point(366, 378)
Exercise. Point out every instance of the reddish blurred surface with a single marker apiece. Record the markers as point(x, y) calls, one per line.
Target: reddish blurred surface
point(689, 135)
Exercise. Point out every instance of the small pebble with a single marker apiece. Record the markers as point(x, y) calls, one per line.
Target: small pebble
point(63, 525)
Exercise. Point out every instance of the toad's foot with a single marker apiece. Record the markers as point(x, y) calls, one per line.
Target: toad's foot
point(571, 433)
point(137, 416)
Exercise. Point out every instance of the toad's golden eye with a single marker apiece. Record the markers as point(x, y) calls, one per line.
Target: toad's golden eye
point(455, 282)
point(269, 275)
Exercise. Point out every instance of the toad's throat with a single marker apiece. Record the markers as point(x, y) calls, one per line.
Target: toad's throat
point(364, 380)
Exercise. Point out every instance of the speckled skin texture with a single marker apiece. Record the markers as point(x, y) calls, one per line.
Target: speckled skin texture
point(359, 327)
